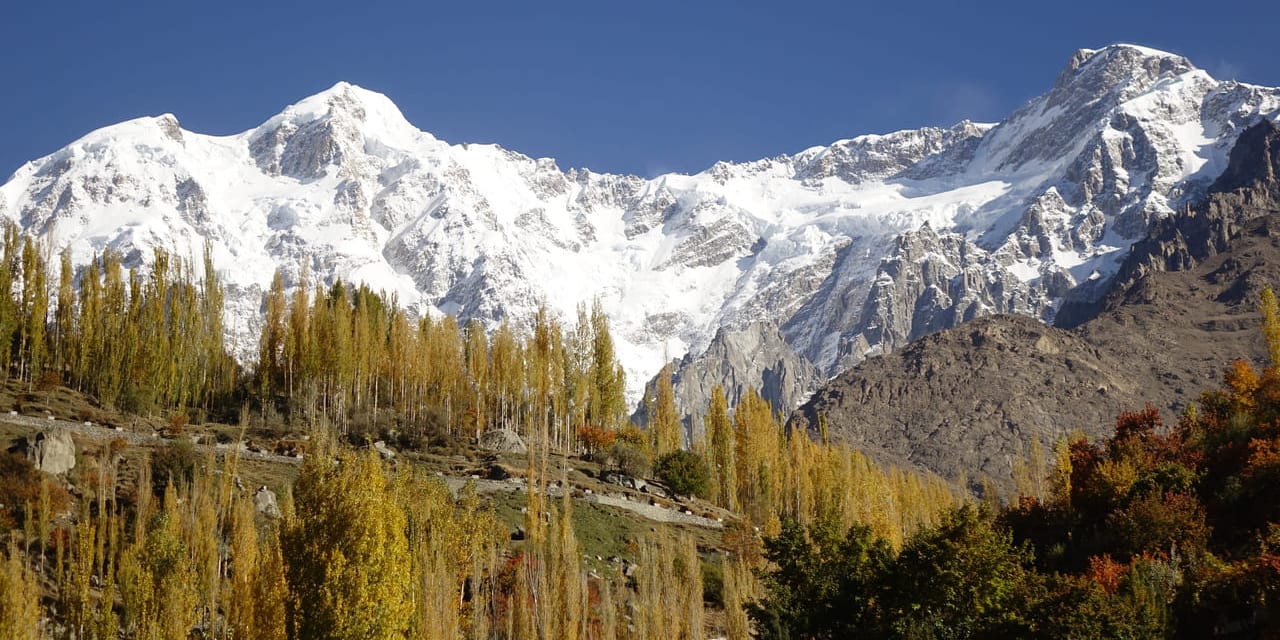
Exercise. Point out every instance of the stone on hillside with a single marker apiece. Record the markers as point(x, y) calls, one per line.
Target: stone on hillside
point(503, 441)
point(265, 502)
point(383, 450)
point(655, 489)
point(53, 451)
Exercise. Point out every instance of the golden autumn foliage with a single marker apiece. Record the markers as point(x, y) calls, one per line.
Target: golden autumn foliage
point(346, 551)
point(371, 549)
point(1271, 324)
point(19, 597)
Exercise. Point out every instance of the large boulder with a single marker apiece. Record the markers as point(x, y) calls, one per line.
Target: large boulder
point(503, 441)
point(384, 451)
point(53, 451)
point(266, 503)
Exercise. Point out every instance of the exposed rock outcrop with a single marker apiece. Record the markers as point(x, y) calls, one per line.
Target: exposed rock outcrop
point(931, 281)
point(503, 441)
point(754, 357)
point(265, 502)
point(53, 451)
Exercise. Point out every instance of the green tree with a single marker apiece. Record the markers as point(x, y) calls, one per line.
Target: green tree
point(961, 579)
point(271, 345)
point(35, 310)
point(10, 269)
point(684, 472)
point(822, 584)
point(608, 400)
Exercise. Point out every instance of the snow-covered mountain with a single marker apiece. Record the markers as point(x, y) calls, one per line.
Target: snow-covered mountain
point(852, 249)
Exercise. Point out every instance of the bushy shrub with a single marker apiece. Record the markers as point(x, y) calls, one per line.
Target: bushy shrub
point(595, 441)
point(685, 473)
point(629, 460)
point(20, 488)
point(175, 462)
point(713, 583)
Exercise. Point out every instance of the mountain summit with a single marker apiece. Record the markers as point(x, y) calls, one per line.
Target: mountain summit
point(851, 249)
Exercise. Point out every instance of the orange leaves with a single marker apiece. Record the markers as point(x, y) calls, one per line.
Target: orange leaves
point(595, 440)
point(1264, 452)
point(1139, 424)
point(1107, 572)
point(1264, 458)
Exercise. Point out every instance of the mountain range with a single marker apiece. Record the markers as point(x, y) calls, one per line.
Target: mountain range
point(967, 402)
point(824, 257)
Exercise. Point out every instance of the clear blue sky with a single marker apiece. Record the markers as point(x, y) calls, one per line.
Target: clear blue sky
point(638, 87)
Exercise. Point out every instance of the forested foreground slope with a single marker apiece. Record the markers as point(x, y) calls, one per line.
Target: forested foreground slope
point(1158, 529)
point(166, 540)
point(1166, 528)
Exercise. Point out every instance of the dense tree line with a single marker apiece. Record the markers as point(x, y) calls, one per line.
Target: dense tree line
point(141, 343)
point(1156, 531)
point(363, 550)
point(352, 355)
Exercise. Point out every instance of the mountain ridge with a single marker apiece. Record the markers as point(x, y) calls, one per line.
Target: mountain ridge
point(966, 402)
point(340, 185)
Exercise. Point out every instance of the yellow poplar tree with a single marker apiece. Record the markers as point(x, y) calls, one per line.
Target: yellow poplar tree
point(1271, 324)
point(664, 418)
point(720, 451)
point(19, 598)
point(346, 552)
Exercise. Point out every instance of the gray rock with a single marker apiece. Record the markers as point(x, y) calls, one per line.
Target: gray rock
point(966, 402)
point(503, 441)
point(265, 502)
point(931, 281)
point(386, 452)
point(53, 451)
point(655, 489)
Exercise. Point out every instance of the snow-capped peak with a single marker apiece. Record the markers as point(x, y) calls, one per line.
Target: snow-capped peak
point(1020, 213)
point(1117, 69)
point(1124, 48)
point(373, 113)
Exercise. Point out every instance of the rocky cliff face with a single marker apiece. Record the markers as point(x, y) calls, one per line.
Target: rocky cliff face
point(829, 244)
point(737, 360)
point(1247, 190)
point(929, 282)
point(967, 401)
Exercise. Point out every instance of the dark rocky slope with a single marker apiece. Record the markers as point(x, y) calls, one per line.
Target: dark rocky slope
point(967, 401)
